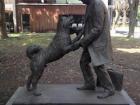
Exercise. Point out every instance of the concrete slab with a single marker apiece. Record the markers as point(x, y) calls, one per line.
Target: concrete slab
point(67, 94)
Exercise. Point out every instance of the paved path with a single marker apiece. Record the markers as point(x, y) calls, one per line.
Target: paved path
point(123, 32)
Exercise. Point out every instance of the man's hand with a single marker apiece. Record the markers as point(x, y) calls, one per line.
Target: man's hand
point(76, 45)
point(78, 37)
point(75, 39)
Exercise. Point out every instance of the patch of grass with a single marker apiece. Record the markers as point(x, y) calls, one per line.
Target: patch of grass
point(122, 42)
point(16, 41)
point(21, 40)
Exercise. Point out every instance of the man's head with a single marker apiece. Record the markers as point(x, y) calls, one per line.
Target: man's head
point(86, 1)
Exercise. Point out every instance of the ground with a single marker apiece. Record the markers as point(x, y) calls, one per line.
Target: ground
point(14, 65)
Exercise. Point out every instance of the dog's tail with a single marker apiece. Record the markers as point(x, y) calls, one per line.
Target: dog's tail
point(32, 50)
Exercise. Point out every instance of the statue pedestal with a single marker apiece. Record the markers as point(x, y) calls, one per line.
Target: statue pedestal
point(67, 94)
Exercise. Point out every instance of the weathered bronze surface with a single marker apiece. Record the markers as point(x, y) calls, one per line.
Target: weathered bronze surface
point(40, 57)
point(96, 43)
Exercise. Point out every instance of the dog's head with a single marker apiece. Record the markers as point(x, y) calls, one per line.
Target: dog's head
point(66, 21)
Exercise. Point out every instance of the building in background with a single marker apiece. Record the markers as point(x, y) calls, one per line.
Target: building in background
point(40, 15)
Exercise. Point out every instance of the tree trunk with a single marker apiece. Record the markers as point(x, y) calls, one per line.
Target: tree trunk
point(3, 33)
point(116, 18)
point(133, 4)
point(124, 17)
point(125, 7)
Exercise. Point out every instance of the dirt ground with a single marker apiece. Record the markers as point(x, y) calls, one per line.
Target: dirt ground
point(14, 68)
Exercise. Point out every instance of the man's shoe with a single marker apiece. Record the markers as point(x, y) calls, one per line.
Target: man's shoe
point(86, 88)
point(106, 95)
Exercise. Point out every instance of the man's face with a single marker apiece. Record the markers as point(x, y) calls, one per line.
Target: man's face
point(85, 1)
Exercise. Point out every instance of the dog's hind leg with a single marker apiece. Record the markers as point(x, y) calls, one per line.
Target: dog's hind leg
point(29, 83)
point(37, 71)
point(29, 80)
point(35, 80)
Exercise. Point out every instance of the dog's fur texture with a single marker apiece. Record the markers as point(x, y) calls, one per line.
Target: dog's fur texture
point(40, 57)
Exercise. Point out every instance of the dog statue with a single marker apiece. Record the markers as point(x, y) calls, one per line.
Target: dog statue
point(40, 57)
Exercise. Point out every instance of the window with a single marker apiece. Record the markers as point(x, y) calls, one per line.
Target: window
point(26, 22)
point(9, 22)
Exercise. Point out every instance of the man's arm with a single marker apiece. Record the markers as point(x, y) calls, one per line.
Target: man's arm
point(98, 15)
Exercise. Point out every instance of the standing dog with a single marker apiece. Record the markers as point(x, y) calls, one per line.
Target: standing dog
point(40, 57)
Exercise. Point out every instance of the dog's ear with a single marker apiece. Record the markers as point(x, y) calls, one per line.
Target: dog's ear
point(64, 20)
point(64, 17)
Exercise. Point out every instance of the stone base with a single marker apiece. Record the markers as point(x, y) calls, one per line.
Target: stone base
point(67, 94)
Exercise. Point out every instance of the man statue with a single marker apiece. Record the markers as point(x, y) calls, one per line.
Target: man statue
point(96, 44)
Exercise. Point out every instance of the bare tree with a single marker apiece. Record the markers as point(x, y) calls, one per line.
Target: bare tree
point(133, 4)
point(3, 33)
point(121, 9)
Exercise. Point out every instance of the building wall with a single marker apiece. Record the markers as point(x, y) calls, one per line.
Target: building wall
point(9, 5)
point(49, 1)
point(8, 1)
point(45, 17)
point(35, 1)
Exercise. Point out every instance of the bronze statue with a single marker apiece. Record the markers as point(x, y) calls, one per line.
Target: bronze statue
point(40, 57)
point(96, 44)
